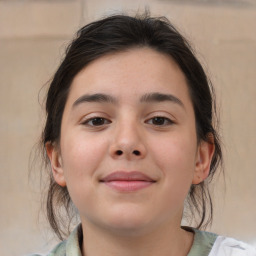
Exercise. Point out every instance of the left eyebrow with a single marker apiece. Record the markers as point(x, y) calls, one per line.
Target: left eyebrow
point(159, 97)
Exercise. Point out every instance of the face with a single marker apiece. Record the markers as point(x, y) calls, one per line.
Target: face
point(128, 150)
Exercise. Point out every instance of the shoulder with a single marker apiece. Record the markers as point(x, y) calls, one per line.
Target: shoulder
point(59, 250)
point(203, 242)
point(210, 244)
point(226, 246)
point(71, 246)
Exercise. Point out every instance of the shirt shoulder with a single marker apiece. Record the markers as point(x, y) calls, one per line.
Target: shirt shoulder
point(71, 246)
point(68, 247)
point(226, 246)
point(210, 244)
point(203, 242)
point(59, 250)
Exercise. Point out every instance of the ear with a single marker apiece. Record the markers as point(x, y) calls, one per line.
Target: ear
point(203, 160)
point(56, 163)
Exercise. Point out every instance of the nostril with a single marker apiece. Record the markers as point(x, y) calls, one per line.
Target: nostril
point(136, 152)
point(119, 152)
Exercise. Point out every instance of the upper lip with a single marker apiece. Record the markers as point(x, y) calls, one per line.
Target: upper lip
point(127, 176)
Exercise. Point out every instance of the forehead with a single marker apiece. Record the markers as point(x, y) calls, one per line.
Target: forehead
point(131, 73)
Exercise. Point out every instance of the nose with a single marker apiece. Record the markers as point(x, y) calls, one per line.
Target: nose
point(128, 143)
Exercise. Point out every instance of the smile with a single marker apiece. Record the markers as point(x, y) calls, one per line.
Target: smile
point(127, 181)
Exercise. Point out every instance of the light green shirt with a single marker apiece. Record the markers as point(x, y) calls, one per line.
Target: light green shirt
point(204, 244)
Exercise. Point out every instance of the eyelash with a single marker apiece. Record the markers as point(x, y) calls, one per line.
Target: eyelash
point(96, 118)
point(166, 121)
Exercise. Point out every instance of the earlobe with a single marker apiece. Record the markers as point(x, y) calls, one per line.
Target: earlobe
point(56, 163)
point(203, 161)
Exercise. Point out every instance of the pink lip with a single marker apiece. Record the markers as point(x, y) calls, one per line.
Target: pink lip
point(127, 181)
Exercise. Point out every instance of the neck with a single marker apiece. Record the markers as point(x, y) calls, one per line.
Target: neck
point(163, 241)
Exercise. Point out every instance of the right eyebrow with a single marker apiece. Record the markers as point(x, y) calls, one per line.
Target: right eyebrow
point(97, 97)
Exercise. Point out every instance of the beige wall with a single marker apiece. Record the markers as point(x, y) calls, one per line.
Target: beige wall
point(33, 35)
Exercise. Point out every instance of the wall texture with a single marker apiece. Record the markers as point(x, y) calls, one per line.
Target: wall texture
point(33, 37)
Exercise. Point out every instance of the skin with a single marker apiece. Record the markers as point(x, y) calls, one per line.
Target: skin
point(127, 138)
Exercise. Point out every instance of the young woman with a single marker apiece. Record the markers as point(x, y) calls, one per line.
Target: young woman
point(129, 138)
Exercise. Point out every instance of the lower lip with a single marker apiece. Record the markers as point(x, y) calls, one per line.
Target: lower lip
point(128, 186)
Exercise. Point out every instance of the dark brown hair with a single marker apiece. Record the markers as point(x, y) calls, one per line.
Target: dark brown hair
point(116, 34)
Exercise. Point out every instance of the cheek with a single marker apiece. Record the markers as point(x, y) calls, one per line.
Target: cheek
point(175, 156)
point(81, 155)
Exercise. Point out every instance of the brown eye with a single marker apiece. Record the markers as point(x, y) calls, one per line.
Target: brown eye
point(96, 121)
point(160, 121)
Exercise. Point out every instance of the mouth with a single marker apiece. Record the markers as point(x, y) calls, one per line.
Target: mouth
point(127, 181)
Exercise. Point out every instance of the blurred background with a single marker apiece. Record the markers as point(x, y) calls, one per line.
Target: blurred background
point(33, 38)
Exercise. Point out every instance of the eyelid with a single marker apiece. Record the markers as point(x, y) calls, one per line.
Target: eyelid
point(169, 121)
point(94, 118)
point(89, 117)
point(163, 114)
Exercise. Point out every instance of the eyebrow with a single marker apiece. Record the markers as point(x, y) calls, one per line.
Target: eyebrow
point(148, 98)
point(160, 97)
point(97, 97)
